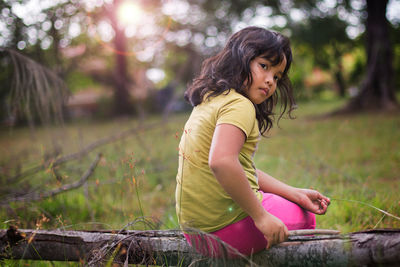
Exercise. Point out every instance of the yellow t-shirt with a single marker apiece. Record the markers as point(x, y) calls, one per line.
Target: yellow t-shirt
point(201, 202)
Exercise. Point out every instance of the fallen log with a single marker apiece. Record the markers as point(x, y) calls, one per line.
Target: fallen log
point(169, 248)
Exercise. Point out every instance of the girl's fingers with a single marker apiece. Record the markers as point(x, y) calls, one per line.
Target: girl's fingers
point(322, 197)
point(286, 235)
point(276, 238)
point(268, 242)
point(272, 241)
point(324, 207)
point(319, 202)
point(327, 200)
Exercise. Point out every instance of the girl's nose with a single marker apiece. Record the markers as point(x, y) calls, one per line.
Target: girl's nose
point(269, 80)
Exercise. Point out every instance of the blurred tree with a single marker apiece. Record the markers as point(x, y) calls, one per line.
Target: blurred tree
point(42, 35)
point(33, 90)
point(123, 49)
point(14, 23)
point(328, 42)
point(122, 100)
point(377, 89)
point(64, 24)
point(395, 34)
point(204, 28)
point(326, 30)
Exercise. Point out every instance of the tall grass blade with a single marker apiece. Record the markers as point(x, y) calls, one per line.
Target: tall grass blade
point(369, 205)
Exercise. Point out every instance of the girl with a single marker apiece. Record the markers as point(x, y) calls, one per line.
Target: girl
point(219, 190)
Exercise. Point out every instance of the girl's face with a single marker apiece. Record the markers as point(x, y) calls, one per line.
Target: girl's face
point(265, 79)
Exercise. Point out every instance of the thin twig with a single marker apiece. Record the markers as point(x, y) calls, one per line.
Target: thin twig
point(313, 232)
point(62, 189)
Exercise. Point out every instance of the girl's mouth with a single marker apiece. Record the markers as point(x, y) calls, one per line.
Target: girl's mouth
point(265, 91)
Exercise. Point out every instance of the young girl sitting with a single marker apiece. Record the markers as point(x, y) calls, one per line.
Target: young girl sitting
point(219, 189)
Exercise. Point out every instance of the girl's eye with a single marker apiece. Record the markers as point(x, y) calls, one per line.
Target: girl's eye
point(264, 66)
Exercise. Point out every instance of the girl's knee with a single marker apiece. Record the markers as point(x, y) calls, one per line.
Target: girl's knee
point(312, 222)
point(291, 214)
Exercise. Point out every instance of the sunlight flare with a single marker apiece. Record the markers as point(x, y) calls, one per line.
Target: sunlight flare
point(129, 13)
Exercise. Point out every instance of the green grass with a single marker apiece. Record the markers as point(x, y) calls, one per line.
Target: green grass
point(347, 158)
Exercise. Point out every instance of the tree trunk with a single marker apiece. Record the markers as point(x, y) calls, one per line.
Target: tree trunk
point(122, 99)
point(338, 70)
point(341, 87)
point(168, 247)
point(377, 89)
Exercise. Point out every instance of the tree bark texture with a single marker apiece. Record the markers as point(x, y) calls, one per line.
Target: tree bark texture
point(169, 248)
point(377, 90)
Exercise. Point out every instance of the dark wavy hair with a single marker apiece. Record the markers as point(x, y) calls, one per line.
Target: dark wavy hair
point(230, 68)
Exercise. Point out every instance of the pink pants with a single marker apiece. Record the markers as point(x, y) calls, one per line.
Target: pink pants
point(243, 235)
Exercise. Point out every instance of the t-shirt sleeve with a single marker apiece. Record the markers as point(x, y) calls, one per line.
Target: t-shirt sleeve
point(239, 112)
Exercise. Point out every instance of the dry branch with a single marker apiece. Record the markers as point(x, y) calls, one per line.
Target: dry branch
point(77, 155)
point(313, 232)
point(39, 196)
point(368, 248)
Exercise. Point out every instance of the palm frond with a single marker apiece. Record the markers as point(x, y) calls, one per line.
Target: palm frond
point(35, 90)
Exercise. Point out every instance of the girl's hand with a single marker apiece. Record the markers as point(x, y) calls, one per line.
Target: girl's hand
point(274, 230)
point(313, 201)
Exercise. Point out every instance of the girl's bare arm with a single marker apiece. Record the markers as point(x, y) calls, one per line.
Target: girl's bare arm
point(224, 162)
point(309, 199)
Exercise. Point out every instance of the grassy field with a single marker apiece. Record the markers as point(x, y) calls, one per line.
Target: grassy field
point(355, 160)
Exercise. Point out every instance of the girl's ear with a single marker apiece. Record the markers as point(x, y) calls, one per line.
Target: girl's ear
point(248, 80)
point(245, 83)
